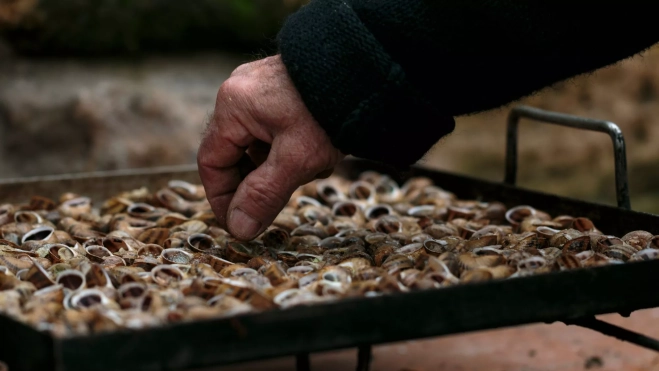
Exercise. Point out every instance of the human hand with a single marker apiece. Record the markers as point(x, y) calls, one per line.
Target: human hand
point(261, 124)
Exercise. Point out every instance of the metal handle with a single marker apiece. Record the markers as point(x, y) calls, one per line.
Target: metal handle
point(620, 157)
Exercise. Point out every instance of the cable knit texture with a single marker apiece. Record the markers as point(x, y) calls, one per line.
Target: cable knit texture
point(385, 78)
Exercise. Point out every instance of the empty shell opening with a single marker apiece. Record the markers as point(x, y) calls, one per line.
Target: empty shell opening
point(71, 281)
point(38, 234)
point(385, 187)
point(276, 237)
point(132, 291)
point(306, 201)
point(151, 250)
point(146, 302)
point(89, 300)
point(98, 251)
point(361, 192)
point(168, 274)
point(201, 242)
point(437, 277)
point(386, 225)
point(177, 257)
point(331, 276)
point(241, 272)
point(532, 263)
point(518, 214)
point(329, 191)
point(346, 209)
point(378, 211)
point(140, 208)
point(26, 217)
point(139, 223)
point(435, 246)
point(77, 202)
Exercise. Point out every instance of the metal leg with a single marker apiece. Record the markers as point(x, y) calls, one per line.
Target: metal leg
point(364, 355)
point(302, 362)
point(617, 332)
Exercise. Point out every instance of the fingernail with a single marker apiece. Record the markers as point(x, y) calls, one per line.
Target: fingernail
point(243, 225)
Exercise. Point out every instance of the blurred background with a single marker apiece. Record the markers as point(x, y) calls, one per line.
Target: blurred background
point(109, 84)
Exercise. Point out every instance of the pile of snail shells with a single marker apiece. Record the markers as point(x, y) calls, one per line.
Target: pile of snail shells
point(145, 259)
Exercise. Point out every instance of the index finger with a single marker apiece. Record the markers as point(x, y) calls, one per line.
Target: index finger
point(222, 162)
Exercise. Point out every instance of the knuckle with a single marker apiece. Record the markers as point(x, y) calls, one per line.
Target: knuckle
point(230, 89)
point(264, 195)
point(204, 158)
point(307, 158)
point(240, 70)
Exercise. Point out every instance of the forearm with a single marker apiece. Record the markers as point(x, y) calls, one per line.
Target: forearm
point(397, 71)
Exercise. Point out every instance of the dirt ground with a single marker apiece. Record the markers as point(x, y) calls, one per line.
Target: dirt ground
point(526, 348)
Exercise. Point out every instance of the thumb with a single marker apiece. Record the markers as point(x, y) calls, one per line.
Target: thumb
point(266, 190)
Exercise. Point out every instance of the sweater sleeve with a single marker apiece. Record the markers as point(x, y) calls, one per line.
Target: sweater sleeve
point(384, 78)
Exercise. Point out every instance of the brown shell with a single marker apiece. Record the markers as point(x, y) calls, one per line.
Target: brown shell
point(191, 226)
point(517, 214)
point(154, 236)
point(170, 220)
point(163, 275)
point(638, 239)
point(277, 238)
point(239, 252)
point(16, 263)
point(619, 252)
point(388, 224)
point(175, 256)
point(382, 253)
point(577, 245)
point(583, 225)
point(147, 263)
point(112, 261)
point(568, 261)
point(201, 243)
point(38, 276)
point(482, 241)
point(500, 271)
point(397, 263)
point(276, 273)
point(97, 277)
point(477, 275)
point(41, 203)
point(473, 261)
point(151, 250)
point(604, 242)
point(560, 238)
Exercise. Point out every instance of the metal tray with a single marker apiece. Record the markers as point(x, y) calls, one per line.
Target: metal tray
point(568, 296)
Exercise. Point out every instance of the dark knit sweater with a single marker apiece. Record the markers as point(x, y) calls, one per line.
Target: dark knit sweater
point(385, 78)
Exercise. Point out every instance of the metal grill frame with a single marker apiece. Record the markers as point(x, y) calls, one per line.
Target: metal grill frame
point(573, 297)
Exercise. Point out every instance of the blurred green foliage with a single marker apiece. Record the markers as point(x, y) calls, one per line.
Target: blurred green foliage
point(127, 27)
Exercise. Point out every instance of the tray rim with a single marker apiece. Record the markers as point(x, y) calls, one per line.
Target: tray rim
point(60, 345)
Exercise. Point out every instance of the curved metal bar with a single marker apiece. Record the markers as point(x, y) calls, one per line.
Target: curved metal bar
point(616, 332)
point(364, 356)
point(619, 153)
point(302, 362)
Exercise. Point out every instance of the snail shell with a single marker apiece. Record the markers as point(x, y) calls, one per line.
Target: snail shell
point(638, 239)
